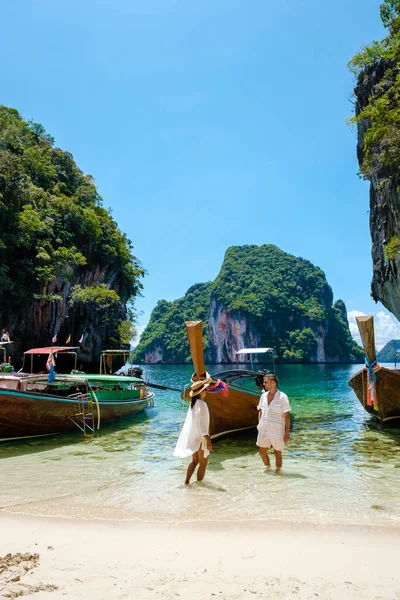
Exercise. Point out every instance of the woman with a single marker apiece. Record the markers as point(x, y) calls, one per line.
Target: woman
point(194, 438)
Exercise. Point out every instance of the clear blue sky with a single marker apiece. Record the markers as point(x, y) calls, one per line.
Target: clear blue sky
point(205, 124)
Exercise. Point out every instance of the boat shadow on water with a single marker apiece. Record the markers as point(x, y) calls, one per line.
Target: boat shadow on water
point(128, 425)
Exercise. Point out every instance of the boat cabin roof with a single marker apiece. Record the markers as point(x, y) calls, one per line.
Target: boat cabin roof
point(105, 378)
point(81, 379)
point(121, 351)
point(50, 349)
point(254, 350)
point(59, 379)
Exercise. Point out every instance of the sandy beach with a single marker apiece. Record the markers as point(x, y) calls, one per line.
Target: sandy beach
point(51, 559)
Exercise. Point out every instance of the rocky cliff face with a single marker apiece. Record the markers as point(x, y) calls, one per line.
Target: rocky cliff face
point(38, 322)
point(262, 297)
point(229, 332)
point(384, 200)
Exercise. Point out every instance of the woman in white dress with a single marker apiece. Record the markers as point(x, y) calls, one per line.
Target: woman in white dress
point(194, 438)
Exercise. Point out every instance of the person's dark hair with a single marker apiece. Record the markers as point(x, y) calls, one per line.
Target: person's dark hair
point(194, 400)
point(273, 377)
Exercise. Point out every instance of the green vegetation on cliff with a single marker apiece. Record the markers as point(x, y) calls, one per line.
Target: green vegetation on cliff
point(166, 329)
point(382, 112)
point(53, 227)
point(285, 301)
point(264, 280)
point(377, 117)
point(339, 341)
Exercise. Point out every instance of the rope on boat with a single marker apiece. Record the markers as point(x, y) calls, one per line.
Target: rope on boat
point(371, 387)
point(97, 405)
point(363, 402)
point(183, 407)
point(371, 372)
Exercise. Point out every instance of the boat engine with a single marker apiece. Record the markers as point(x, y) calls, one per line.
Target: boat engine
point(259, 378)
point(135, 372)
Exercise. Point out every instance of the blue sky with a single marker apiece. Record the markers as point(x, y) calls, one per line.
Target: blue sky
point(205, 124)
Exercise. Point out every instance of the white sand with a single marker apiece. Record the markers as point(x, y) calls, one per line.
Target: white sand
point(97, 560)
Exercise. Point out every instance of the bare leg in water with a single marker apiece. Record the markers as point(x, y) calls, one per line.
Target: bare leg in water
point(263, 452)
point(278, 459)
point(197, 460)
point(191, 468)
point(202, 465)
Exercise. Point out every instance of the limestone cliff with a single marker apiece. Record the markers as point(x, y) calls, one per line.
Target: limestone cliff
point(377, 116)
point(384, 200)
point(37, 323)
point(261, 297)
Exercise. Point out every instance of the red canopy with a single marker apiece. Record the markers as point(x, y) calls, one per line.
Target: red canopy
point(50, 349)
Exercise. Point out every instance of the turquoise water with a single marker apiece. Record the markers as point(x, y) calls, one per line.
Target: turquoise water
point(338, 468)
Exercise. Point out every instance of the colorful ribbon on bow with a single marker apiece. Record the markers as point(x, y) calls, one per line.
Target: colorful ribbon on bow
point(371, 381)
point(371, 372)
point(218, 386)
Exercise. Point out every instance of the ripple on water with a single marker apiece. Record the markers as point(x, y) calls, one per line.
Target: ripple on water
point(335, 469)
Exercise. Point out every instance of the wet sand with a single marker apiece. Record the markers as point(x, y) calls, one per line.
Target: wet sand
point(201, 560)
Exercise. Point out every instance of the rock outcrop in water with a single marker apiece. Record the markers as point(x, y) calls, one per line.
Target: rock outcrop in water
point(261, 297)
point(389, 351)
point(65, 267)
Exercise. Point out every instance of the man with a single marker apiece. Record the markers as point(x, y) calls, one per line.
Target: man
point(4, 336)
point(273, 421)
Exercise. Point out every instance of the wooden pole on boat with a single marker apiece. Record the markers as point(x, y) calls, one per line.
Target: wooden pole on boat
point(194, 331)
point(366, 329)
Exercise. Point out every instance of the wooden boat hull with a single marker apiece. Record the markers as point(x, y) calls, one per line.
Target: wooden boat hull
point(235, 412)
point(387, 391)
point(26, 414)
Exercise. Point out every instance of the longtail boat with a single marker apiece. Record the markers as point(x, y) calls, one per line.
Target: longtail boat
point(234, 408)
point(376, 387)
point(37, 407)
point(34, 364)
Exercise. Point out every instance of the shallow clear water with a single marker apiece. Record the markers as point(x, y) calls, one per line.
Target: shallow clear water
point(337, 467)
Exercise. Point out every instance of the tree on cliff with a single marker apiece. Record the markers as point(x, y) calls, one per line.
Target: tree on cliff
point(54, 234)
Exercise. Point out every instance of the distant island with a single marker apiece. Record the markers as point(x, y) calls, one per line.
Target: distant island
point(67, 272)
point(262, 297)
point(389, 351)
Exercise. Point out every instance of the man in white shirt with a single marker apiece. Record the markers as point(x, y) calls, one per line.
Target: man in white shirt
point(273, 421)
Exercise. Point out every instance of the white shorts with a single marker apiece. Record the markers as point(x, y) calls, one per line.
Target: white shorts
point(266, 441)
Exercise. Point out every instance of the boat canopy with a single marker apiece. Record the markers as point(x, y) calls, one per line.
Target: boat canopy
point(251, 351)
point(50, 349)
point(254, 350)
point(106, 378)
point(107, 356)
point(74, 379)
